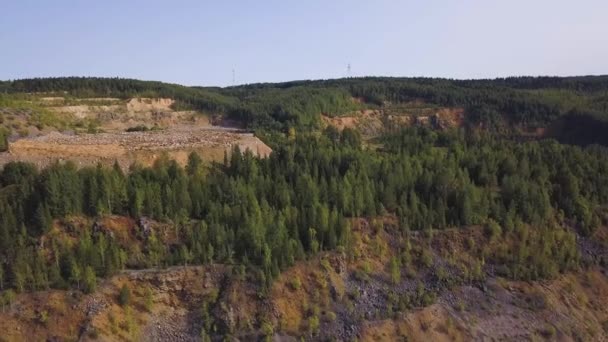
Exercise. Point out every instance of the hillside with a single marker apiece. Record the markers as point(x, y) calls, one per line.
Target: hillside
point(353, 209)
point(344, 295)
point(518, 102)
point(43, 129)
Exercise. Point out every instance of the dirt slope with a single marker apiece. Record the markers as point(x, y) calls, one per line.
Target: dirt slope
point(372, 122)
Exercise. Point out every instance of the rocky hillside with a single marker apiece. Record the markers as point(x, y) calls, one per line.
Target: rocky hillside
point(442, 287)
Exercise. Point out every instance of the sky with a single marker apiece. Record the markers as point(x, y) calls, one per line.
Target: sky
point(198, 42)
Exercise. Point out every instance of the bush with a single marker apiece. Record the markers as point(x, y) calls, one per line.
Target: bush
point(148, 300)
point(267, 329)
point(313, 324)
point(426, 258)
point(361, 275)
point(548, 332)
point(43, 317)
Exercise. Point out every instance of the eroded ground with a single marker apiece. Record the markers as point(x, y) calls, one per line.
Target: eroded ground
point(96, 132)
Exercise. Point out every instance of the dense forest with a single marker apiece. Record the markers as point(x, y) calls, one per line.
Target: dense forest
point(267, 213)
point(516, 101)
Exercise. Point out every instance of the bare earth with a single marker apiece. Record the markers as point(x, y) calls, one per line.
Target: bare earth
point(179, 134)
point(128, 148)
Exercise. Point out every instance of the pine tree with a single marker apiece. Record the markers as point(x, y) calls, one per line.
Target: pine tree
point(194, 163)
point(75, 273)
point(124, 297)
point(395, 270)
point(89, 279)
point(3, 140)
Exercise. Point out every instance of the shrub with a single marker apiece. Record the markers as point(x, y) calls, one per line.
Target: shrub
point(536, 300)
point(148, 300)
point(492, 229)
point(267, 330)
point(426, 258)
point(139, 128)
point(548, 332)
point(295, 283)
point(361, 275)
point(326, 265)
point(395, 271)
point(43, 317)
point(313, 324)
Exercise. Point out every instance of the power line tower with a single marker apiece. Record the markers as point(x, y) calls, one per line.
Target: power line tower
point(348, 70)
point(233, 77)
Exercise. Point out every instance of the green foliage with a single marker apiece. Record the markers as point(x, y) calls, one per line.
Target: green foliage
point(526, 101)
point(492, 229)
point(148, 299)
point(7, 298)
point(395, 269)
point(124, 296)
point(420, 297)
point(295, 283)
point(313, 324)
point(3, 139)
point(43, 317)
point(286, 107)
point(270, 212)
point(90, 280)
point(267, 330)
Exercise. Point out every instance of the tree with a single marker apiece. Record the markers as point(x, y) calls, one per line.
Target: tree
point(75, 273)
point(90, 280)
point(124, 297)
point(43, 220)
point(194, 163)
point(351, 137)
point(185, 255)
point(148, 299)
point(8, 297)
point(395, 270)
point(3, 140)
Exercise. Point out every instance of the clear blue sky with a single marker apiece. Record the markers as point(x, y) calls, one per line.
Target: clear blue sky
point(200, 42)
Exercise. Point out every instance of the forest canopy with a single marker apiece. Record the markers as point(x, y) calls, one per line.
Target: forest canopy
point(269, 213)
point(525, 101)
